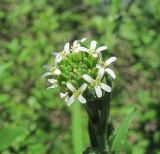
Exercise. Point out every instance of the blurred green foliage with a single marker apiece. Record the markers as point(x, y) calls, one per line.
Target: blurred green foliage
point(34, 120)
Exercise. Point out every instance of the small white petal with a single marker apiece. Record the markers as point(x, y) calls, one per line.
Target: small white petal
point(70, 100)
point(53, 86)
point(70, 87)
point(81, 99)
point(83, 49)
point(98, 91)
point(88, 78)
point(75, 43)
point(100, 73)
point(105, 87)
point(58, 58)
point(66, 47)
point(93, 45)
point(53, 81)
point(109, 61)
point(82, 40)
point(83, 87)
point(46, 74)
point(57, 72)
point(111, 73)
point(63, 95)
point(101, 49)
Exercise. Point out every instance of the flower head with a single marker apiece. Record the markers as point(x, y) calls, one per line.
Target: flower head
point(51, 71)
point(104, 66)
point(97, 83)
point(76, 93)
point(93, 51)
point(65, 96)
point(80, 71)
point(53, 82)
point(63, 54)
point(77, 45)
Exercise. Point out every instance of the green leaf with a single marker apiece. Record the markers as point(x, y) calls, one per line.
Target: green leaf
point(121, 132)
point(9, 134)
point(76, 128)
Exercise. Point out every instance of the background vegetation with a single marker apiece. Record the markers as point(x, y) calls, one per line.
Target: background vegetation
point(34, 120)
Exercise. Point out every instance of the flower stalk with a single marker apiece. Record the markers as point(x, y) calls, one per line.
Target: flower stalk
point(98, 123)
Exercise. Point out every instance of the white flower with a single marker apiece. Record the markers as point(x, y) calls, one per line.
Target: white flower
point(104, 66)
point(97, 84)
point(65, 96)
point(52, 71)
point(93, 51)
point(77, 47)
point(54, 83)
point(77, 93)
point(63, 54)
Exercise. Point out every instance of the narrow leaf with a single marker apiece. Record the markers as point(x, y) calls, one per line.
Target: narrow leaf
point(121, 132)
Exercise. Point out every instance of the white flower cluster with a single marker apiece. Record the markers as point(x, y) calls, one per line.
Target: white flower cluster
point(73, 93)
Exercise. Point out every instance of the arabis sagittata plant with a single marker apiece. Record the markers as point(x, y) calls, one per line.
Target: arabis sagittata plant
point(83, 75)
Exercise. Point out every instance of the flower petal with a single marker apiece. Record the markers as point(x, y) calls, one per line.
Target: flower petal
point(83, 87)
point(109, 61)
point(82, 40)
point(46, 74)
point(58, 58)
point(98, 91)
point(105, 87)
point(88, 78)
point(53, 86)
point(93, 45)
point(101, 49)
point(63, 95)
point(75, 43)
point(70, 87)
point(111, 73)
point(100, 73)
point(70, 100)
point(53, 81)
point(81, 99)
point(83, 49)
point(57, 72)
point(66, 47)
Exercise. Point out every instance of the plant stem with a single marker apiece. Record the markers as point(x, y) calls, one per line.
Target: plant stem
point(92, 124)
point(98, 113)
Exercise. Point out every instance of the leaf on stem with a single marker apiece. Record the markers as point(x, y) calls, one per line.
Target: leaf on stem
point(121, 132)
